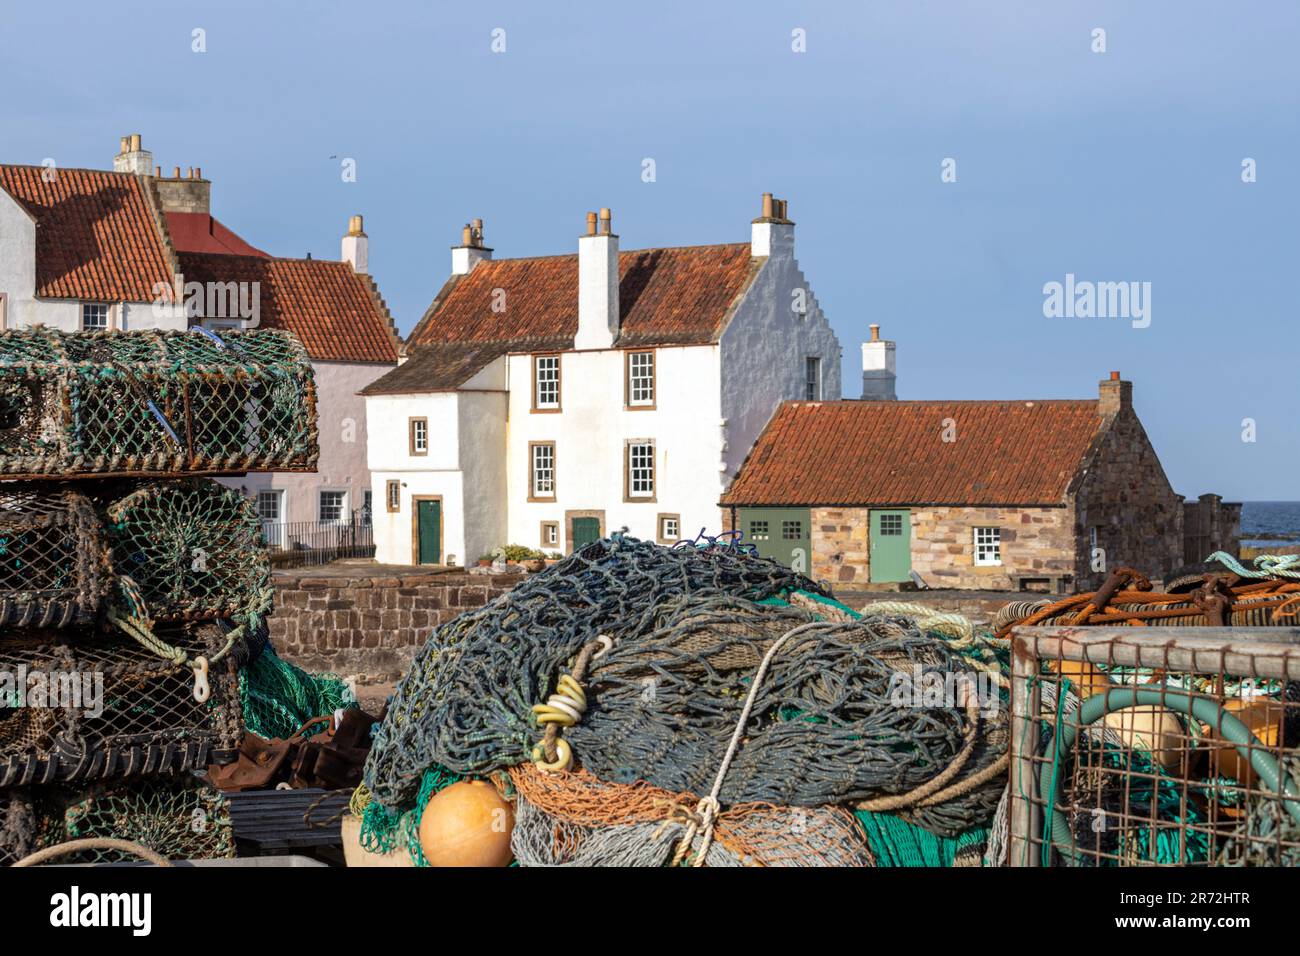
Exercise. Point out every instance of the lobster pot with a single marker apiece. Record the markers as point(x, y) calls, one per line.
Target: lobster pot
point(103, 707)
point(84, 404)
point(194, 549)
point(54, 567)
point(1172, 746)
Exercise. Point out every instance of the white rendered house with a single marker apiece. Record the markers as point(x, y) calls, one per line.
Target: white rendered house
point(550, 401)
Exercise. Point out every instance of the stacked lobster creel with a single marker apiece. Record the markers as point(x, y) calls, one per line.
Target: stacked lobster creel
point(131, 591)
point(1181, 791)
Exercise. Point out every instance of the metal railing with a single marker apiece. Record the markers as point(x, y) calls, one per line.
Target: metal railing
point(296, 544)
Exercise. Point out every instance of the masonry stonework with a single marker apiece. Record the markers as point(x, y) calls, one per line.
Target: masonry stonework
point(371, 626)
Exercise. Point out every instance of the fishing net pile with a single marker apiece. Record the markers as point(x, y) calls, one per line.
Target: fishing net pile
point(94, 404)
point(662, 654)
point(133, 594)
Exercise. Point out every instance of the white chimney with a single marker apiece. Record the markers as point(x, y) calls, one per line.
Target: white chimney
point(878, 370)
point(356, 246)
point(597, 285)
point(471, 250)
point(772, 233)
point(133, 158)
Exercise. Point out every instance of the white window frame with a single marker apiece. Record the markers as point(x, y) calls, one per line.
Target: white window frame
point(640, 382)
point(988, 547)
point(670, 528)
point(551, 380)
point(270, 494)
point(108, 316)
point(641, 469)
point(343, 506)
point(812, 374)
point(392, 496)
point(541, 471)
point(419, 436)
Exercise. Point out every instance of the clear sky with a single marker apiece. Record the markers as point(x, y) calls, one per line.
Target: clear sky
point(1117, 166)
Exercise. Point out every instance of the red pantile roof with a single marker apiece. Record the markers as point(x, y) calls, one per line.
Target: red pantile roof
point(200, 232)
point(98, 234)
point(678, 296)
point(338, 314)
point(893, 454)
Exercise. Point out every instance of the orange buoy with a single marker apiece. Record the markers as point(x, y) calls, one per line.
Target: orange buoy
point(467, 824)
point(1264, 717)
point(1086, 679)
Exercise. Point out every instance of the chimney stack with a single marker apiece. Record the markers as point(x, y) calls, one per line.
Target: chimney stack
point(356, 246)
point(471, 250)
point(772, 233)
point(598, 315)
point(133, 158)
point(878, 370)
point(1116, 395)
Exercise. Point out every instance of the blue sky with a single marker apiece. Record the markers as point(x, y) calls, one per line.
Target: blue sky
point(1115, 166)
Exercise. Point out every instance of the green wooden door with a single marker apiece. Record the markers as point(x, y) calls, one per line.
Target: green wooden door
point(429, 523)
point(585, 531)
point(891, 545)
point(782, 534)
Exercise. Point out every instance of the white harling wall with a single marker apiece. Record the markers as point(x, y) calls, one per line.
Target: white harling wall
point(18, 285)
point(590, 433)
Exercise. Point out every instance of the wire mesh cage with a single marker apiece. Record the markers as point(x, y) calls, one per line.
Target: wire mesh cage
point(54, 568)
point(89, 706)
point(83, 404)
point(193, 548)
point(178, 816)
point(1175, 746)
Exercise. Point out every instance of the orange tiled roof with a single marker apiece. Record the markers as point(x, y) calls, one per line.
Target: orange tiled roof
point(678, 296)
point(338, 314)
point(98, 235)
point(893, 453)
point(200, 232)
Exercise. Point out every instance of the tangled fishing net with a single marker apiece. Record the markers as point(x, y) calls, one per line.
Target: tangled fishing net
point(277, 698)
point(154, 402)
point(688, 638)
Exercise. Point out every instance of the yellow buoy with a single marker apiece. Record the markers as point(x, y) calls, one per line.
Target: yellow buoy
point(1264, 717)
point(1085, 678)
point(1156, 730)
point(467, 824)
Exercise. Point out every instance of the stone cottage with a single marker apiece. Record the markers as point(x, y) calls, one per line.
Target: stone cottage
point(1014, 495)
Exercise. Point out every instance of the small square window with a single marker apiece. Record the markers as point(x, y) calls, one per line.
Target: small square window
point(393, 495)
point(268, 505)
point(988, 546)
point(94, 316)
point(333, 507)
point(758, 531)
point(891, 525)
point(791, 530)
point(669, 529)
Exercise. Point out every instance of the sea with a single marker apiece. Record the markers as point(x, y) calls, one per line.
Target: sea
point(1266, 523)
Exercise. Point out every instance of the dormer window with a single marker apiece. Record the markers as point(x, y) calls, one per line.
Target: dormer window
point(94, 316)
point(546, 383)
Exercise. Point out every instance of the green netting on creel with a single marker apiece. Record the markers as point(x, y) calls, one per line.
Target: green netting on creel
point(895, 842)
point(278, 698)
point(119, 403)
point(383, 830)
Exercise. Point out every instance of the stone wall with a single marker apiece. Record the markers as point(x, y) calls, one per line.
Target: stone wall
point(1036, 542)
point(1127, 500)
point(370, 625)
